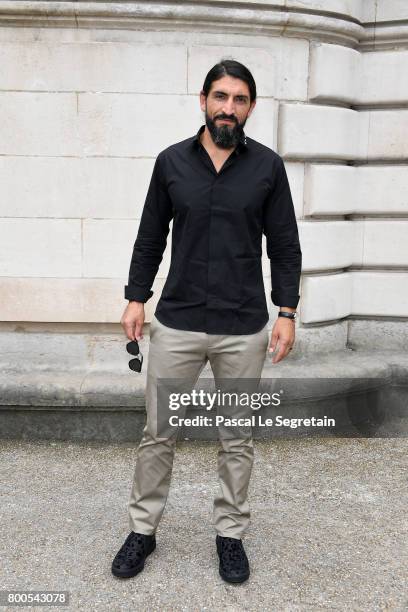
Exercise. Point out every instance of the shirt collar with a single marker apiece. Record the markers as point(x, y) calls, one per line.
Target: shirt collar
point(241, 146)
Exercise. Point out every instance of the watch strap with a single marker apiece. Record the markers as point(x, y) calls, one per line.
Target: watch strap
point(288, 315)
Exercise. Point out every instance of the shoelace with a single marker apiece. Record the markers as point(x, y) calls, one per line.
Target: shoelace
point(129, 547)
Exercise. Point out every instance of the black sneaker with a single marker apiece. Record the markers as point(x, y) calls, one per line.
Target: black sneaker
point(130, 559)
point(234, 566)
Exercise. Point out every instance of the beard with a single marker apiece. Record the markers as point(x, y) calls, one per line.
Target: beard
point(225, 135)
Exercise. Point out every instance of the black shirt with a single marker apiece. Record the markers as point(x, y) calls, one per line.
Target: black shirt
point(215, 282)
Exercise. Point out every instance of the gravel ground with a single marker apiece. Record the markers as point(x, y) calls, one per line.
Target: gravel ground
point(328, 527)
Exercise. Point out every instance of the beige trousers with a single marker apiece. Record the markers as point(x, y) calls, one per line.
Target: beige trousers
point(175, 353)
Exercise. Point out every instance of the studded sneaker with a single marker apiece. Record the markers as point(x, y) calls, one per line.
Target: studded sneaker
point(130, 559)
point(234, 565)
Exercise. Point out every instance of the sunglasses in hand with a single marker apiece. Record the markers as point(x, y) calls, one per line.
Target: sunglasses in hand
point(133, 349)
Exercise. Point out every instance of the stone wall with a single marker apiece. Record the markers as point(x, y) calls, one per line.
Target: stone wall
point(90, 92)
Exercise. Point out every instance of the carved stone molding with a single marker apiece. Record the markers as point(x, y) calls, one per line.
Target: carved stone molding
point(242, 17)
point(280, 18)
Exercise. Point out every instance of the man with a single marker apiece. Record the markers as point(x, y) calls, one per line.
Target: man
point(223, 190)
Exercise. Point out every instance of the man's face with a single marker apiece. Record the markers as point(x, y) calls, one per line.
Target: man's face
point(227, 107)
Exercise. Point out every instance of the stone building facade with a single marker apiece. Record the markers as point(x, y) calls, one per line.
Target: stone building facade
point(90, 92)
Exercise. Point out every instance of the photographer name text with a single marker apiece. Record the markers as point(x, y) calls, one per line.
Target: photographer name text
point(252, 421)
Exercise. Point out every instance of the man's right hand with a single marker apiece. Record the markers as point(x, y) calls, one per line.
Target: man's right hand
point(132, 320)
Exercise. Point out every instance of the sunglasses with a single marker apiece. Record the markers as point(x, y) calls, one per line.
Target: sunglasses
point(133, 349)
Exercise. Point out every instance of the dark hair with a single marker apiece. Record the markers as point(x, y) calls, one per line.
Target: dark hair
point(231, 68)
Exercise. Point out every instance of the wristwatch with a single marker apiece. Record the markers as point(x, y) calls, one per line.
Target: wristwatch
point(288, 315)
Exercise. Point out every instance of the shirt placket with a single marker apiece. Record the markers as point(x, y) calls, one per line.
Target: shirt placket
point(213, 285)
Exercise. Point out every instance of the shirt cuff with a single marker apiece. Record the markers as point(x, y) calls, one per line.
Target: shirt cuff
point(137, 294)
point(284, 299)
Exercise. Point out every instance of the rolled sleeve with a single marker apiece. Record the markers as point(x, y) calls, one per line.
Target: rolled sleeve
point(282, 241)
point(151, 238)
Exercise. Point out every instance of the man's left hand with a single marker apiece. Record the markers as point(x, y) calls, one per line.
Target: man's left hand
point(283, 334)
